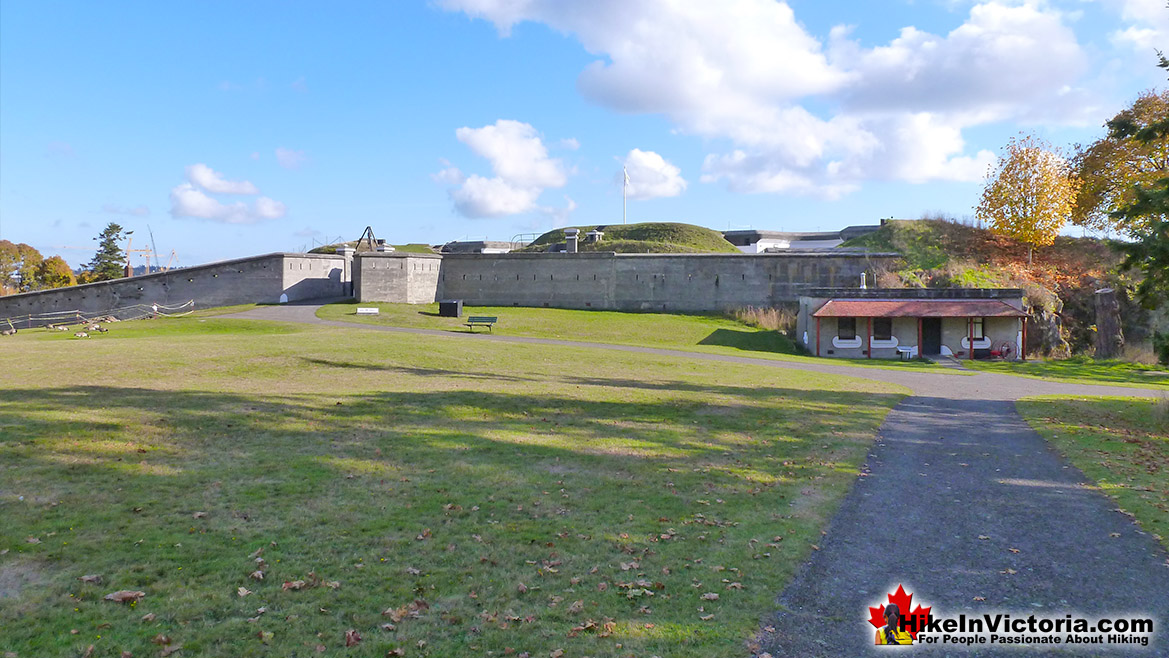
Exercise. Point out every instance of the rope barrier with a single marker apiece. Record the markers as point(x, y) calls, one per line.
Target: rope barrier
point(76, 316)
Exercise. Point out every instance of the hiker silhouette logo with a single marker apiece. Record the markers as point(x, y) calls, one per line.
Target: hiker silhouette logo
point(894, 622)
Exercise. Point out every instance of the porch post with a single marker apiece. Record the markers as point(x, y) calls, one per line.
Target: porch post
point(919, 351)
point(1023, 347)
point(869, 338)
point(970, 336)
point(817, 336)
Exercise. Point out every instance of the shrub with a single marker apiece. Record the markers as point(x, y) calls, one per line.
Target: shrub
point(782, 320)
point(1161, 347)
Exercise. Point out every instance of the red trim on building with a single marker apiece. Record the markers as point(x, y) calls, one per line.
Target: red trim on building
point(917, 308)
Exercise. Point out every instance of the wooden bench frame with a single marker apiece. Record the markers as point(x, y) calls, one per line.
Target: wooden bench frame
point(481, 321)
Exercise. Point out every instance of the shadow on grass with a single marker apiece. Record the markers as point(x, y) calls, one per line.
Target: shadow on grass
point(756, 340)
point(503, 434)
point(473, 486)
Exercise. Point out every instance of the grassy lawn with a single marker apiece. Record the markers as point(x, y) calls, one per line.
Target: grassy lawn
point(715, 334)
point(437, 496)
point(1120, 443)
point(1084, 370)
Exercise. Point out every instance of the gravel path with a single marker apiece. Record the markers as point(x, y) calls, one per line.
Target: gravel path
point(952, 463)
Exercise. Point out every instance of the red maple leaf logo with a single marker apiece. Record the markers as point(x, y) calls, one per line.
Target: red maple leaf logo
point(902, 600)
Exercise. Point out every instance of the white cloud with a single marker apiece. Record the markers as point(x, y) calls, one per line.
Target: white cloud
point(651, 176)
point(191, 199)
point(521, 165)
point(290, 159)
point(1149, 24)
point(449, 175)
point(806, 116)
point(570, 143)
point(213, 181)
point(118, 209)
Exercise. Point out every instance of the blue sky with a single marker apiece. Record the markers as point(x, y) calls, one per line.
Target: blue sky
point(250, 127)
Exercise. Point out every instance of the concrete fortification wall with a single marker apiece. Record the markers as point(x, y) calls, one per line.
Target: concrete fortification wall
point(271, 278)
point(628, 282)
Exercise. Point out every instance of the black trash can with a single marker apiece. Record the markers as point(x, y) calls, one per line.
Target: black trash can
point(451, 308)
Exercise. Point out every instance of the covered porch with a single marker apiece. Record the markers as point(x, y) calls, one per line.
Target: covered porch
point(910, 328)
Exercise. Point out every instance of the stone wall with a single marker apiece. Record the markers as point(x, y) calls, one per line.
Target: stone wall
point(396, 277)
point(628, 282)
point(271, 278)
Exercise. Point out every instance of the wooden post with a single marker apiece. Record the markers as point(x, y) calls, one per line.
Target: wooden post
point(1023, 347)
point(970, 337)
point(869, 338)
point(817, 336)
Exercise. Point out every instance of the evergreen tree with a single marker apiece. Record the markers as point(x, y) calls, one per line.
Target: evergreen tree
point(109, 262)
point(1150, 206)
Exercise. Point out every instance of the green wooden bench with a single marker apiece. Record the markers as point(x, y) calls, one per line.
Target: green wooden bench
point(480, 321)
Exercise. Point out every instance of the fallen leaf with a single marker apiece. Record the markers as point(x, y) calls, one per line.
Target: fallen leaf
point(93, 578)
point(1114, 534)
point(295, 584)
point(265, 636)
point(148, 617)
point(166, 651)
point(256, 575)
point(1009, 572)
point(393, 653)
point(88, 652)
point(710, 596)
point(556, 653)
point(412, 571)
point(522, 588)
point(31, 540)
point(980, 598)
point(321, 648)
point(983, 537)
point(425, 534)
point(199, 515)
point(706, 617)
point(352, 637)
point(161, 639)
point(576, 607)
point(125, 596)
point(388, 627)
point(1013, 550)
point(735, 586)
point(243, 591)
point(333, 584)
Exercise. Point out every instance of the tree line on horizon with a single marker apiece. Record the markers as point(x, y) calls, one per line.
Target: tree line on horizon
point(24, 269)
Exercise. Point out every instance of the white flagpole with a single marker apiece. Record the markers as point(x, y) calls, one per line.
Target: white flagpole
point(624, 196)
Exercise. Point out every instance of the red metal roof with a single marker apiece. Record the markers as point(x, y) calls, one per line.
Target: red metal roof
point(917, 308)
